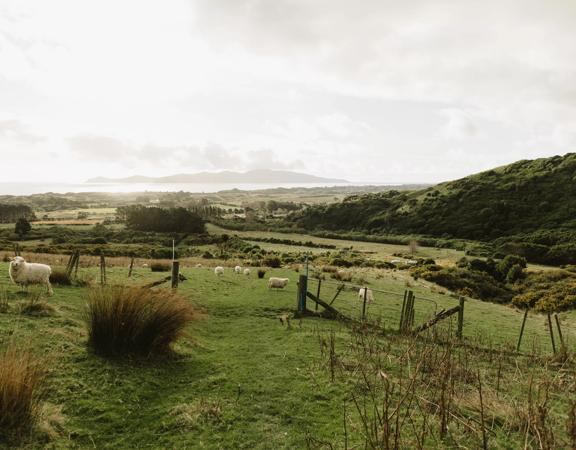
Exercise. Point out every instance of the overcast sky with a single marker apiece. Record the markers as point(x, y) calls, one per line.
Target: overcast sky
point(368, 90)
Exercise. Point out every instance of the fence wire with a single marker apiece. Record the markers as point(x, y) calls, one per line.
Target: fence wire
point(482, 327)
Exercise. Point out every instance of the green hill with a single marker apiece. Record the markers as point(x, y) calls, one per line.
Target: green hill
point(528, 207)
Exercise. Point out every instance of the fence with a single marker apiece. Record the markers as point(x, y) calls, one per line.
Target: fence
point(480, 323)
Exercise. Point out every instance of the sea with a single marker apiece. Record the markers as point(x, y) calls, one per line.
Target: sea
point(61, 188)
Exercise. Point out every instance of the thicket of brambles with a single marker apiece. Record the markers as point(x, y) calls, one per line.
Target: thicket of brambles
point(527, 208)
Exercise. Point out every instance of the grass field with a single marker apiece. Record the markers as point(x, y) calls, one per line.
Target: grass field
point(371, 250)
point(242, 380)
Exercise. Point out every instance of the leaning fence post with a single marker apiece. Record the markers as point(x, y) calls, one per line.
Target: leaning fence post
point(551, 333)
point(302, 289)
point(77, 264)
point(522, 330)
point(559, 330)
point(175, 273)
point(460, 319)
point(364, 304)
point(402, 312)
point(131, 267)
point(318, 292)
point(102, 270)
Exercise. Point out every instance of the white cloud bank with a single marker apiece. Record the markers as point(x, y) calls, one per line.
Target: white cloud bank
point(377, 90)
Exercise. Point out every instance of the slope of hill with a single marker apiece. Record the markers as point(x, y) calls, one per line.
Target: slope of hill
point(252, 176)
point(530, 201)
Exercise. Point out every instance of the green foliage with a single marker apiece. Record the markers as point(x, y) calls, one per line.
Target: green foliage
point(179, 220)
point(22, 227)
point(516, 205)
point(272, 261)
point(11, 213)
point(160, 267)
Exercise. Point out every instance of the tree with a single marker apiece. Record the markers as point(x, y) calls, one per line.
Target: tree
point(22, 227)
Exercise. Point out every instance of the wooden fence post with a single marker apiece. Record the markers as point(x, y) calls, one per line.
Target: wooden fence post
point(401, 327)
point(559, 330)
point(131, 267)
point(364, 304)
point(302, 289)
point(175, 274)
point(77, 264)
point(318, 292)
point(460, 319)
point(551, 333)
point(102, 270)
point(522, 330)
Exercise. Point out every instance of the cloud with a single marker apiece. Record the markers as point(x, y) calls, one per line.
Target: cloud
point(176, 158)
point(459, 125)
point(16, 131)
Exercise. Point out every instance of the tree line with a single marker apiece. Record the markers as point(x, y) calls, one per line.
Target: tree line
point(11, 213)
point(177, 220)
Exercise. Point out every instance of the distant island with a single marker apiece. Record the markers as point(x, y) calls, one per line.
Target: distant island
point(262, 176)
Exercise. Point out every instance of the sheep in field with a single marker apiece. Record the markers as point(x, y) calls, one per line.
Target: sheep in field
point(219, 270)
point(369, 295)
point(247, 272)
point(198, 265)
point(238, 269)
point(24, 273)
point(277, 283)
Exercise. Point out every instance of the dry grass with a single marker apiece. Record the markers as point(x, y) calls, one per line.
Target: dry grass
point(129, 320)
point(21, 376)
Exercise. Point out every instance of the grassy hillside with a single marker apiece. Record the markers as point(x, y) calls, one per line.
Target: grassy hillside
point(529, 203)
point(244, 380)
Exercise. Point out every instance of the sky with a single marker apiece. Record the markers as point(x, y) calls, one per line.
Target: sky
point(366, 90)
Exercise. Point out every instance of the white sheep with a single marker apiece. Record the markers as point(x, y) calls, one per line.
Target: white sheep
point(277, 283)
point(247, 272)
point(198, 265)
point(238, 269)
point(24, 273)
point(369, 295)
point(219, 270)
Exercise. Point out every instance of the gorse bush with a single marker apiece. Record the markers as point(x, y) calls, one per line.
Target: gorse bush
point(129, 320)
point(160, 267)
point(60, 277)
point(21, 376)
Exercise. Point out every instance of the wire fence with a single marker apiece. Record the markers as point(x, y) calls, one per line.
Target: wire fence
point(484, 324)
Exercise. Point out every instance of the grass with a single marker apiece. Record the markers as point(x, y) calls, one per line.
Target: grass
point(243, 378)
point(21, 378)
point(130, 320)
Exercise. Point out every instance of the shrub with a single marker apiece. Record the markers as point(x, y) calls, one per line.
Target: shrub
point(60, 277)
point(21, 376)
point(160, 267)
point(261, 273)
point(128, 320)
point(272, 261)
point(342, 275)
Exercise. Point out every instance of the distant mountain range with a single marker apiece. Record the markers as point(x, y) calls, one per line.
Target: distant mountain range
point(262, 176)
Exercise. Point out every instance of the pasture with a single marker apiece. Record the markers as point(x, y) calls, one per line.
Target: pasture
point(242, 378)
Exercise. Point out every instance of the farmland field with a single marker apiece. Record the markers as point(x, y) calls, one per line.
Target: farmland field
point(242, 378)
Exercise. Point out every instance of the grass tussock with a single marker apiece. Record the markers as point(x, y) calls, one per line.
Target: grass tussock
point(130, 320)
point(4, 306)
point(60, 277)
point(21, 376)
point(36, 305)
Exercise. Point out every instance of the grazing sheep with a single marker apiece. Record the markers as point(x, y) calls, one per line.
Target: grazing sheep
point(247, 272)
point(369, 295)
point(219, 270)
point(24, 273)
point(238, 269)
point(144, 265)
point(277, 283)
point(198, 265)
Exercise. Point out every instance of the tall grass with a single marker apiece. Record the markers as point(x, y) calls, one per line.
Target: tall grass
point(21, 376)
point(130, 320)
